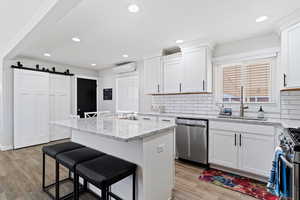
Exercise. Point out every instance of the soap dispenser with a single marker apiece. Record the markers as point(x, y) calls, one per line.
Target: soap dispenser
point(261, 113)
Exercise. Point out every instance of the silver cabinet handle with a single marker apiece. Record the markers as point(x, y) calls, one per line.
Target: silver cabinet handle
point(166, 120)
point(240, 140)
point(158, 89)
point(203, 84)
point(180, 86)
point(145, 118)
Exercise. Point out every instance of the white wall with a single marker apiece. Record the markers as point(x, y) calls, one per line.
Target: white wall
point(7, 136)
point(108, 80)
point(247, 45)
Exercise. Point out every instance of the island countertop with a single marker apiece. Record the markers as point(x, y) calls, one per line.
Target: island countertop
point(115, 128)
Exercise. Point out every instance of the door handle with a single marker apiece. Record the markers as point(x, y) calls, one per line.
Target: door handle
point(240, 140)
point(235, 139)
point(284, 80)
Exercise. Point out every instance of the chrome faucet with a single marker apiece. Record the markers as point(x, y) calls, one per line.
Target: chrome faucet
point(242, 107)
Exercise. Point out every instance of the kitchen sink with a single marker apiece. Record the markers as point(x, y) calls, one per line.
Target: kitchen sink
point(241, 118)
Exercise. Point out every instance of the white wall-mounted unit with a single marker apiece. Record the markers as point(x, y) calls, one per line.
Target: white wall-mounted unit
point(153, 76)
point(31, 108)
point(126, 68)
point(290, 48)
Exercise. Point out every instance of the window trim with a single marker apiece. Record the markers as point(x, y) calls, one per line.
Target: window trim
point(219, 79)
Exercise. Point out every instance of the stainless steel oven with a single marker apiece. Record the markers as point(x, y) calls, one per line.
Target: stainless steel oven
point(290, 143)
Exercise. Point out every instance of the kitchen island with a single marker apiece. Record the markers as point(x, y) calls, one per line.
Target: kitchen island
point(149, 144)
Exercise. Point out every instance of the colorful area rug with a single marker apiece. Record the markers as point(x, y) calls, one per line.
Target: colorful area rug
point(237, 183)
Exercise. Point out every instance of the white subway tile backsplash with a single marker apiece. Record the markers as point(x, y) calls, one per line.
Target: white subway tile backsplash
point(290, 105)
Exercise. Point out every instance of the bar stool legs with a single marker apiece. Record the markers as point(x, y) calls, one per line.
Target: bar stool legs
point(133, 185)
point(57, 180)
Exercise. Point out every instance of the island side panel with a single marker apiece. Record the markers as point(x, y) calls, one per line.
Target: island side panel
point(130, 151)
point(159, 165)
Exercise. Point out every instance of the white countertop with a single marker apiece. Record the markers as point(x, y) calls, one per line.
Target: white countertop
point(119, 129)
point(285, 123)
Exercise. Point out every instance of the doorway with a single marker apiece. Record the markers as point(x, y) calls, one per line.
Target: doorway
point(86, 95)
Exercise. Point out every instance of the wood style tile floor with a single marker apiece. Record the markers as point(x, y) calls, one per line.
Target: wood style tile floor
point(21, 172)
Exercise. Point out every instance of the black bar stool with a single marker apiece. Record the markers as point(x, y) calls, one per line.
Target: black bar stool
point(52, 151)
point(69, 160)
point(103, 172)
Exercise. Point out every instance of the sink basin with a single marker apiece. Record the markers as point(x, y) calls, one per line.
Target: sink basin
point(241, 118)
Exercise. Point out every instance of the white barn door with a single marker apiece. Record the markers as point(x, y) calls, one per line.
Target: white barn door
point(60, 105)
point(31, 108)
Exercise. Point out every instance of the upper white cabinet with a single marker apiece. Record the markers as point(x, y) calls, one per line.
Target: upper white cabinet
point(172, 73)
point(195, 68)
point(291, 56)
point(188, 72)
point(152, 76)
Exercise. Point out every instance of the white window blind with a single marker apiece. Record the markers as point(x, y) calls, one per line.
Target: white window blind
point(256, 79)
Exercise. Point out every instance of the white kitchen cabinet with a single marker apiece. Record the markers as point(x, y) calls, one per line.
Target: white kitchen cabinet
point(256, 153)
point(152, 76)
point(188, 72)
point(223, 148)
point(290, 49)
point(60, 105)
point(242, 146)
point(194, 71)
point(172, 73)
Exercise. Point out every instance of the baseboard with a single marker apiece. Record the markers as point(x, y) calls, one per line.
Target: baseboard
point(6, 148)
point(241, 173)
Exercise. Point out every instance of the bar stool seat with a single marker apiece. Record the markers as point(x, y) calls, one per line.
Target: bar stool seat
point(52, 151)
point(104, 171)
point(70, 159)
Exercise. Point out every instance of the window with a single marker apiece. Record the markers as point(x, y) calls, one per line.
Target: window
point(254, 76)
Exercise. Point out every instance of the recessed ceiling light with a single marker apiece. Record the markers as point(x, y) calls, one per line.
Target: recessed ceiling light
point(93, 64)
point(133, 8)
point(179, 41)
point(261, 19)
point(76, 39)
point(47, 54)
point(125, 56)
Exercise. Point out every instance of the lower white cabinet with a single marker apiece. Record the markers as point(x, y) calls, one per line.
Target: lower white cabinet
point(223, 150)
point(250, 152)
point(256, 153)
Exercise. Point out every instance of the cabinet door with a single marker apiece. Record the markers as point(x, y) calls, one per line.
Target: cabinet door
point(293, 56)
point(194, 73)
point(152, 76)
point(256, 153)
point(172, 75)
point(223, 148)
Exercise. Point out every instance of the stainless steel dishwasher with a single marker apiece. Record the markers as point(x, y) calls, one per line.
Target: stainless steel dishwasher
point(192, 140)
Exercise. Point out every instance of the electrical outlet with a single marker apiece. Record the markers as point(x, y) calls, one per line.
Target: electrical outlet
point(161, 148)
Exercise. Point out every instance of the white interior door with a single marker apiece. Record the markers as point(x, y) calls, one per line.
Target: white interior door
point(31, 108)
point(60, 105)
point(127, 92)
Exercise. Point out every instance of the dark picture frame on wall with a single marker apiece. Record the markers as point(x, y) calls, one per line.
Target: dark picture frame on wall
point(107, 94)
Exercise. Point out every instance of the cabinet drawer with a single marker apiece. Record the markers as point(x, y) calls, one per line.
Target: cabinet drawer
point(242, 127)
point(167, 119)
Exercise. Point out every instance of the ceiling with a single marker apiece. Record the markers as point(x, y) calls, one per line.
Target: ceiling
point(14, 14)
point(107, 30)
